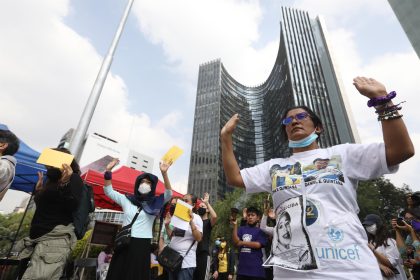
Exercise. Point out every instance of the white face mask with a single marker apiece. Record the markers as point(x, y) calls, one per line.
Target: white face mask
point(371, 229)
point(144, 188)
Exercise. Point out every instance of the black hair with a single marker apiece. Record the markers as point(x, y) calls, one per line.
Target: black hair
point(314, 117)
point(193, 198)
point(6, 136)
point(253, 209)
point(381, 236)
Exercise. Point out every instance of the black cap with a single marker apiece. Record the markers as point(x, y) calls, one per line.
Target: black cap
point(372, 219)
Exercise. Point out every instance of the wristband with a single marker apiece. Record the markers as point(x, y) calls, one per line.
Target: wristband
point(381, 100)
point(108, 175)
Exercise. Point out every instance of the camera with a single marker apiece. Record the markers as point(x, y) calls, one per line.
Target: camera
point(400, 221)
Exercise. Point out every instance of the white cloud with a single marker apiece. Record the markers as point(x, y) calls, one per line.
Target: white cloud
point(46, 76)
point(205, 31)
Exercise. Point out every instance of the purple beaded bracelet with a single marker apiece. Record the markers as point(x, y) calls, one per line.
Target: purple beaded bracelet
point(108, 175)
point(381, 100)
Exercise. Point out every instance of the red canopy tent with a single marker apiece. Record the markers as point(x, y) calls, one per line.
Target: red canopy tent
point(122, 181)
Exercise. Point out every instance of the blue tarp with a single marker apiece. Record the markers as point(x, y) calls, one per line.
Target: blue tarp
point(26, 168)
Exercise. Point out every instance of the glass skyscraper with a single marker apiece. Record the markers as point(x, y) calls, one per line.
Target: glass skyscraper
point(408, 12)
point(303, 74)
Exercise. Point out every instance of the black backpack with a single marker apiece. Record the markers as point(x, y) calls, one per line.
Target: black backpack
point(81, 218)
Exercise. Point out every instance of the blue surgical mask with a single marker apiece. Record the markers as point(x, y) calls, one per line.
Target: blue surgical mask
point(305, 142)
point(217, 242)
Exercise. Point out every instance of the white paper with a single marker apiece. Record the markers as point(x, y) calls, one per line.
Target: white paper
point(178, 222)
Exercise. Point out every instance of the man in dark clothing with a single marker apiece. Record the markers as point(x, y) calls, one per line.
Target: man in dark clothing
point(203, 248)
point(52, 237)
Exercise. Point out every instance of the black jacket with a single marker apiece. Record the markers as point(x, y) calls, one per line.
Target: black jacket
point(230, 258)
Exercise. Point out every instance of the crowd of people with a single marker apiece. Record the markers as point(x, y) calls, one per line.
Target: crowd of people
point(312, 231)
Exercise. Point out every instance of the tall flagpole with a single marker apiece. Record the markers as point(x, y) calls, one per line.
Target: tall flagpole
point(80, 133)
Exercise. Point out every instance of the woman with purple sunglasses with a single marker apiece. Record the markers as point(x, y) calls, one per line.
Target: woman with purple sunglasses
point(324, 225)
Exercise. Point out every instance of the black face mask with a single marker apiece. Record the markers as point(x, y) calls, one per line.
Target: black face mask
point(172, 209)
point(201, 211)
point(53, 174)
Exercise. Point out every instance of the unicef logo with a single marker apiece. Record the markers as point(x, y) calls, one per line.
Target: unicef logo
point(335, 234)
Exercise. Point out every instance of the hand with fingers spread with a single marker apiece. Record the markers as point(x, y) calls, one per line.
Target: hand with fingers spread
point(369, 87)
point(206, 198)
point(112, 164)
point(164, 166)
point(230, 126)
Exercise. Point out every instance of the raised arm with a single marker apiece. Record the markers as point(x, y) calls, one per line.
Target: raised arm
point(108, 170)
point(230, 165)
point(213, 214)
point(398, 145)
point(164, 166)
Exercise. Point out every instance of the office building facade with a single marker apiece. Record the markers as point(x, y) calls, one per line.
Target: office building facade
point(303, 74)
point(408, 12)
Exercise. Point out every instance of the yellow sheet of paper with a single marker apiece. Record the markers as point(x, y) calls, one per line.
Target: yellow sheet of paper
point(173, 154)
point(54, 158)
point(181, 210)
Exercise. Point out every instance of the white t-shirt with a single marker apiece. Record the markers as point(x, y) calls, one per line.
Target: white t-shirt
point(181, 240)
point(327, 240)
point(392, 253)
point(7, 173)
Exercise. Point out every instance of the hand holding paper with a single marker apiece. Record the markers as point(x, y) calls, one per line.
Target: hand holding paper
point(182, 210)
point(181, 215)
point(54, 158)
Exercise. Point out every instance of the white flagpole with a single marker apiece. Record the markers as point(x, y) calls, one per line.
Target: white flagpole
point(80, 133)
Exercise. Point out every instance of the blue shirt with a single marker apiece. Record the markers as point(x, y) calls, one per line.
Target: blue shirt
point(251, 260)
point(142, 227)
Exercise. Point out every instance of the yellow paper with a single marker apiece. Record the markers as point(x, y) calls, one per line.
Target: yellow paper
point(173, 154)
point(54, 158)
point(182, 210)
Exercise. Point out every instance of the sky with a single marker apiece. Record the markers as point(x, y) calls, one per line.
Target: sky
point(52, 50)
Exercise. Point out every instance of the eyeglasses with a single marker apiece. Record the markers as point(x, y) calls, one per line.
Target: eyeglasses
point(299, 117)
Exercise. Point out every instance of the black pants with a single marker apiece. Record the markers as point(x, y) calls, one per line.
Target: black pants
point(201, 268)
point(131, 263)
point(243, 277)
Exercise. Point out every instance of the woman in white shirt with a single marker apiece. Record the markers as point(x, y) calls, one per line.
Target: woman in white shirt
point(384, 248)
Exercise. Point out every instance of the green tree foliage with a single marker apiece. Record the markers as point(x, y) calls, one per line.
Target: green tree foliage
point(9, 225)
point(381, 197)
point(237, 199)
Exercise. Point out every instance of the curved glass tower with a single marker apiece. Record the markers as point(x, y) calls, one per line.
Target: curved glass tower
point(303, 74)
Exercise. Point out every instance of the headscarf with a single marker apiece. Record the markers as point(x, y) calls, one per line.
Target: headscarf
point(149, 202)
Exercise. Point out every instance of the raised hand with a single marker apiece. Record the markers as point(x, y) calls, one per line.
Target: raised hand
point(271, 214)
point(369, 87)
point(38, 185)
point(112, 164)
point(66, 173)
point(164, 166)
point(206, 198)
point(230, 125)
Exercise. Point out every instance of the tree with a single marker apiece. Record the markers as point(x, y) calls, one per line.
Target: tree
point(9, 225)
point(381, 197)
point(237, 199)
